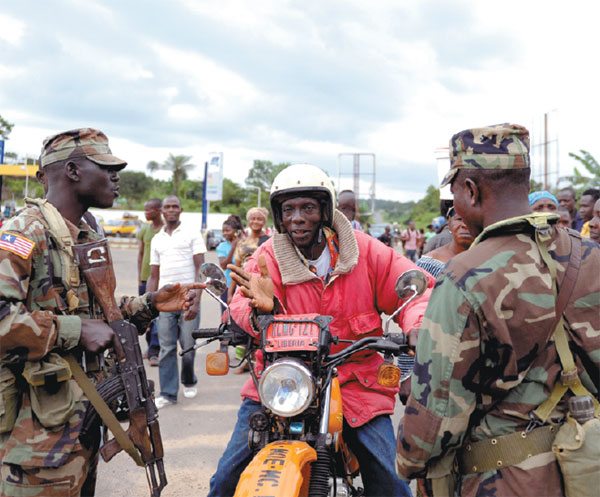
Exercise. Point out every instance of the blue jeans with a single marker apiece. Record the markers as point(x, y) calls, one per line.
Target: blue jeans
point(153, 343)
point(373, 443)
point(171, 327)
point(411, 255)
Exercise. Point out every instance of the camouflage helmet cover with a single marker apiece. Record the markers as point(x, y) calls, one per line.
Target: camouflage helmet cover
point(500, 146)
point(82, 142)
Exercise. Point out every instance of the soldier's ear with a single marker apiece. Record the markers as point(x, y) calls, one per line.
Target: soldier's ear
point(72, 171)
point(473, 191)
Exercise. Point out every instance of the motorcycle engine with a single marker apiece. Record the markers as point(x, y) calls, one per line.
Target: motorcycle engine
point(342, 489)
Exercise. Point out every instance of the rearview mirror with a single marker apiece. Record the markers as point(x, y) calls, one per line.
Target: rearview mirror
point(409, 285)
point(411, 282)
point(215, 278)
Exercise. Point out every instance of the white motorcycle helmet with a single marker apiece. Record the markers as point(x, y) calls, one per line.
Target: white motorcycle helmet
point(302, 180)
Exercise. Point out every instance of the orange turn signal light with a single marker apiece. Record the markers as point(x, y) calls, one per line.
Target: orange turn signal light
point(388, 375)
point(217, 364)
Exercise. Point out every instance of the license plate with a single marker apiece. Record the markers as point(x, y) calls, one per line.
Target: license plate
point(292, 332)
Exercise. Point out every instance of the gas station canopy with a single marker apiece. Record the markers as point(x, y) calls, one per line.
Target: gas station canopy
point(17, 170)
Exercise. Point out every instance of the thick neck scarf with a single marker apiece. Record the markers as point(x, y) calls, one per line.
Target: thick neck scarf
point(334, 249)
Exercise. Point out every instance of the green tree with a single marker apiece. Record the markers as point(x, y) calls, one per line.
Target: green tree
point(5, 128)
point(427, 208)
point(135, 187)
point(234, 196)
point(262, 174)
point(535, 186)
point(392, 210)
point(16, 187)
point(179, 165)
point(581, 182)
point(192, 189)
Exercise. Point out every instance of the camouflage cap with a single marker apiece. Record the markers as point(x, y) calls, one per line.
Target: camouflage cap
point(83, 142)
point(500, 146)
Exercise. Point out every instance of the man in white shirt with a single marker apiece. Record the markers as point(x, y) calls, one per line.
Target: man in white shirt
point(176, 254)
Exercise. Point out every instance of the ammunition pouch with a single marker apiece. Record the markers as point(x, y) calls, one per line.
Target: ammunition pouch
point(53, 395)
point(577, 450)
point(9, 400)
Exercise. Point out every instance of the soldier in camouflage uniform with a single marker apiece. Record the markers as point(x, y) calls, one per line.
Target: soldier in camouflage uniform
point(483, 360)
point(43, 313)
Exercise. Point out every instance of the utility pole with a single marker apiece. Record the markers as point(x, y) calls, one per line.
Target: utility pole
point(546, 151)
point(356, 174)
point(258, 193)
point(204, 199)
point(356, 182)
point(543, 167)
point(1, 162)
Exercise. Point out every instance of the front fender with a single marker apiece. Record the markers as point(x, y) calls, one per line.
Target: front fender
point(281, 469)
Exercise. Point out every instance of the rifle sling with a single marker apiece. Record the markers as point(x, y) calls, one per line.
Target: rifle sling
point(103, 410)
point(569, 280)
point(62, 236)
point(511, 449)
point(569, 378)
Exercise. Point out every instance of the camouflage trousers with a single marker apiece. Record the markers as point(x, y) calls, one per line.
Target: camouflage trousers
point(77, 477)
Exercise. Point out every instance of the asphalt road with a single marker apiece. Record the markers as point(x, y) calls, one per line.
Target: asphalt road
point(195, 432)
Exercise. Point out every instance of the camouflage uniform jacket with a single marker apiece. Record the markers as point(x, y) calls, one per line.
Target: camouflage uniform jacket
point(483, 362)
point(34, 321)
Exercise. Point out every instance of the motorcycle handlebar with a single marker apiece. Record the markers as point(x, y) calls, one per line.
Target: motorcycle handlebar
point(398, 338)
point(206, 333)
point(394, 343)
point(386, 346)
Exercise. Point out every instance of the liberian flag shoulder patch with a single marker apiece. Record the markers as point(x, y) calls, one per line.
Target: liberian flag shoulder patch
point(16, 244)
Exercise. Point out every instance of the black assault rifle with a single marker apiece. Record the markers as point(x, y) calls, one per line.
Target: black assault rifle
point(95, 263)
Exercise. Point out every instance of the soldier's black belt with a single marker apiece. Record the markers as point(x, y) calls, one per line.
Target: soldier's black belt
point(507, 450)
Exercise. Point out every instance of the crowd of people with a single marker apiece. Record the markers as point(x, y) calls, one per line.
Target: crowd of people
point(510, 276)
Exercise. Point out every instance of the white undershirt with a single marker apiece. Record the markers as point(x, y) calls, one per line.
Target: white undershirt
point(322, 263)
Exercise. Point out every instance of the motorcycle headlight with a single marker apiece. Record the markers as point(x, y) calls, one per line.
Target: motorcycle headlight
point(286, 387)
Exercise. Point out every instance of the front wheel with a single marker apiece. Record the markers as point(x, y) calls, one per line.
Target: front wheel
point(280, 469)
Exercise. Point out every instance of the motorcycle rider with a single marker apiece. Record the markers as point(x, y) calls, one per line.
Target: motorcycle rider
point(316, 263)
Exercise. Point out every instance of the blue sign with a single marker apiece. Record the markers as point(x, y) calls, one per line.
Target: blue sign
point(1, 151)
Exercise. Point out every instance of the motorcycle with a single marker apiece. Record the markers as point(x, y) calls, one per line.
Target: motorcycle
point(296, 437)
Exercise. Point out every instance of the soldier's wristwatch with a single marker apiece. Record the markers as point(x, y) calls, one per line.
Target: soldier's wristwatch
point(150, 303)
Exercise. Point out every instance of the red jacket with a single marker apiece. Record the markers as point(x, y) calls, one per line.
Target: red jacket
point(360, 289)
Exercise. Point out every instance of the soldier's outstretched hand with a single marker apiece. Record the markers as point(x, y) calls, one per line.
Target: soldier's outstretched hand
point(176, 297)
point(258, 288)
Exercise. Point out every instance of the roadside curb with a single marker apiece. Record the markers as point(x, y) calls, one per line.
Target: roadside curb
point(122, 243)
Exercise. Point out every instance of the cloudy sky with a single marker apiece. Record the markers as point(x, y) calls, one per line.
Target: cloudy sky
point(301, 81)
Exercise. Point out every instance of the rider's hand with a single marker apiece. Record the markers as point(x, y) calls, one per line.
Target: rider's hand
point(96, 336)
point(176, 297)
point(259, 289)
